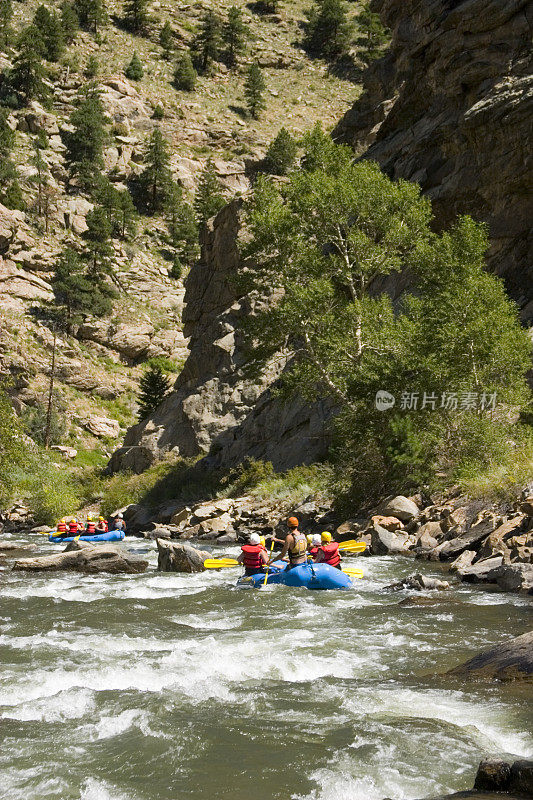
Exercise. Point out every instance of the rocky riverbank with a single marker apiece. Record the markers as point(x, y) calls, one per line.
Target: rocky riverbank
point(499, 780)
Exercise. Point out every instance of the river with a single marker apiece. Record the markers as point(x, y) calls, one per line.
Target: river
point(181, 687)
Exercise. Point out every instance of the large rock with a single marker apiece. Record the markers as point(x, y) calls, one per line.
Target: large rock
point(84, 557)
point(449, 106)
point(481, 571)
point(180, 557)
point(512, 577)
point(419, 582)
point(512, 660)
point(103, 427)
point(384, 542)
point(400, 507)
point(467, 540)
point(214, 409)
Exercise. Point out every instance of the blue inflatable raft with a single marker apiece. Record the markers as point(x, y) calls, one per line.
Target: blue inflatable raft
point(307, 576)
point(110, 536)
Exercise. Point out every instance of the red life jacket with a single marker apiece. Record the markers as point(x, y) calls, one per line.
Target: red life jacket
point(313, 551)
point(61, 527)
point(73, 528)
point(331, 553)
point(103, 525)
point(90, 528)
point(252, 555)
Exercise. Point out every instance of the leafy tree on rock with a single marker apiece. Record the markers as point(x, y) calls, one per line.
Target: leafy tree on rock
point(48, 23)
point(208, 40)
point(281, 154)
point(234, 34)
point(166, 40)
point(6, 15)
point(86, 143)
point(119, 208)
point(73, 292)
point(69, 21)
point(254, 89)
point(27, 75)
point(156, 177)
point(136, 15)
point(134, 71)
point(154, 387)
point(322, 241)
point(92, 14)
point(185, 74)
point(329, 32)
point(208, 199)
point(373, 36)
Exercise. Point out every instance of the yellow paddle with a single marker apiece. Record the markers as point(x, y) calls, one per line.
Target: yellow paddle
point(353, 547)
point(268, 563)
point(353, 573)
point(220, 563)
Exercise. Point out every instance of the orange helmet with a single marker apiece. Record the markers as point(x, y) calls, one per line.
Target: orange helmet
point(292, 522)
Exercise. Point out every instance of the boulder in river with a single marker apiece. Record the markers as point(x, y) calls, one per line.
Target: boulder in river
point(400, 507)
point(513, 577)
point(7, 548)
point(499, 780)
point(508, 661)
point(480, 571)
point(384, 542)
point(418, 582)
point(180, 557)
point(85, 557)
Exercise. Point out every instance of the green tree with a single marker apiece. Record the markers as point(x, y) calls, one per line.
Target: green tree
point(99, 248)
point(6, 15)
point(208, 40)
point(156, 179)
point(69, 21)
point(329, 32)
point(254, 89)
point(324, 242)
point(35, 423)
point(10, 191)
point(12, 446)
point(134, 71)
point(185, 74)
point(208, 199)
point(92, 14)
point(154, 387)
point(234, 34)
point(85, 143)
point(92, 67)
point(73, 292)
point(27, 75)
point(136, 15)
point(166, 40)
point(42, 176)
point(182, 226)
point(281, 154)
point(119, 208)
point(372, 37)
point(48, 23)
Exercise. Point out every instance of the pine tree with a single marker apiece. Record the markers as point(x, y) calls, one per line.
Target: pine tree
point(99, 250)
point(119, 208)
point(92, 68)
point(185, 74)
point(156, 177)
point(253, 90)
point(27, 75)
point(207, 41)
point(281, 154)
point(85, 144)
point(136, 15)
point(154, 387)
point(134, 71)
point(182, 226)
point(373, 36)
point(10, 191)
point(234, 35)
point(42, 176)
point(166, 40)
point(69, 21)
point(92, 14)
point(6, 15)
point(49, 25)
point(208, 199)
point(329, 32)
point(73, 292)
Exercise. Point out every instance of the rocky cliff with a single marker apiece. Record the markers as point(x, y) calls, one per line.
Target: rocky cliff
point(215, 408)
point(450, 106)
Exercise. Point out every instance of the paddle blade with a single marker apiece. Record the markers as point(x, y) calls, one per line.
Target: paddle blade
point(353, 547)
point(353, 573)
point(220, 563)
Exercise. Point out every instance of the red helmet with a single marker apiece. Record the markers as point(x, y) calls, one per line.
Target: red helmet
point(292, 522)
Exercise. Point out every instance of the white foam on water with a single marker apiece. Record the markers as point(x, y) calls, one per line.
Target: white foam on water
point(62, 706)
point(209, 621)
point(94, 789)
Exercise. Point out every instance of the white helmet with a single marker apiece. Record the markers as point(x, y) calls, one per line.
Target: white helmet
point(317, 540)
point(255, 539)
point(120, 515)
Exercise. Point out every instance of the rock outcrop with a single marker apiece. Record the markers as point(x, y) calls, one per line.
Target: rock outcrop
point(84, 557)
point(180, 557)
point(215, 408)
point(509, 661)
point(450, 106)
point(499, 780)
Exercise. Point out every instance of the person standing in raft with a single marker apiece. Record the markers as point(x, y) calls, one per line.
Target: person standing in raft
point(328, 552)
point(295, 546)
point(254, 556)
point(119, 524)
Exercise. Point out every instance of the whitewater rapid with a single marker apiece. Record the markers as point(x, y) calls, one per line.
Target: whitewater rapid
point(169, 686)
